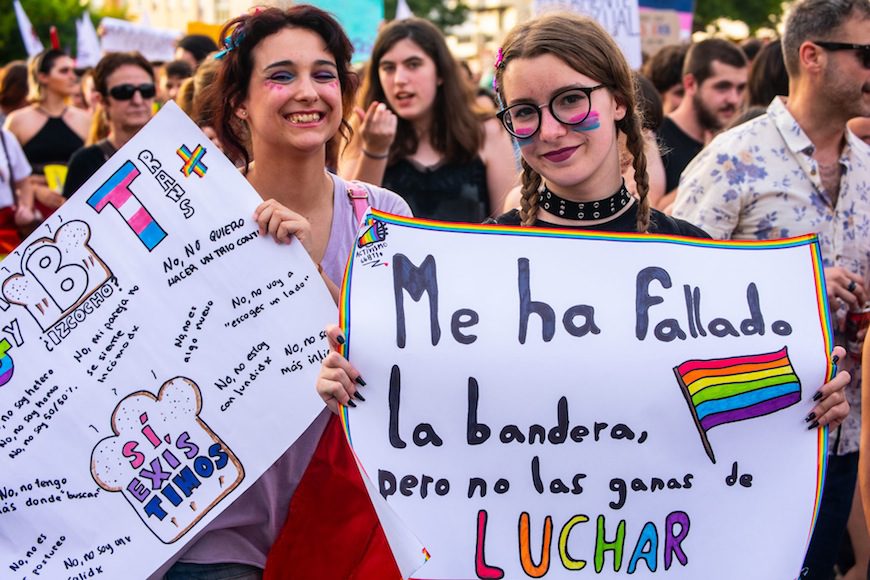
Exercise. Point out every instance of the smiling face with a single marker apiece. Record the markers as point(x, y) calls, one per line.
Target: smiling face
point(410, 80)
point(61, 78)
point(294, 97)
point(132, 114)
point(581, 161)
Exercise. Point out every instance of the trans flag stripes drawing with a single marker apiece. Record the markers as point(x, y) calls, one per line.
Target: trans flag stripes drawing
point(728, 390)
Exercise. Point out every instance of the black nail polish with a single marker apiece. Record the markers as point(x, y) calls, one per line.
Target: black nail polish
point(360, 381)
point(809, 417)
point(813, 425)
point(817, 396)
point(358, 396)
point(351, 403)
point(836, 359)
point(339, 339)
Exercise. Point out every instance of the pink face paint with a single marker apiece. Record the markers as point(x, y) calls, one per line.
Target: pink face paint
point(273, 86)
point(590, 123)
point(524, 136)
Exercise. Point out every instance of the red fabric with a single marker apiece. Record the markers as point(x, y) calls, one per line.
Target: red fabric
point(332, 530)
point(9, 238)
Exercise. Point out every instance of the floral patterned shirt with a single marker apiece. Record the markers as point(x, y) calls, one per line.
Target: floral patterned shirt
point(760, 181)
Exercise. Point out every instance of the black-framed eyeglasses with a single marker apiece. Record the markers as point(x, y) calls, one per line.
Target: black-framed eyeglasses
point(861, 50)
point(569, 107)
point(125, 92)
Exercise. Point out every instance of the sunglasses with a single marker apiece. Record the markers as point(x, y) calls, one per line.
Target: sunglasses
point(125, 92)
point(862, 51)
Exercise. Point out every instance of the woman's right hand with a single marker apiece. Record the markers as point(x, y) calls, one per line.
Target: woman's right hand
point(337, 381)
point(282, 223)
point(378, 128)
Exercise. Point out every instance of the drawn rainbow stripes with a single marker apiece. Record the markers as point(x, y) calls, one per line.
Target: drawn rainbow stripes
point(7, 367)
point(728, 390)
point(192, 160)
point(374, 233)
point(116, 192)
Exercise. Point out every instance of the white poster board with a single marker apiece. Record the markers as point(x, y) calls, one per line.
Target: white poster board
point(545, 402)
point(620, 18)
point(158, 355)
point(155, 44)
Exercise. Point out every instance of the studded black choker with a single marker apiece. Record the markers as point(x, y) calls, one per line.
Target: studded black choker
point(584, 210)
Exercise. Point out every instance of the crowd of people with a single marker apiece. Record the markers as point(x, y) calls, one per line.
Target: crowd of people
point(709, 139)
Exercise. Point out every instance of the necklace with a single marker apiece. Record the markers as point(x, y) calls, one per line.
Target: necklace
point(584, 210)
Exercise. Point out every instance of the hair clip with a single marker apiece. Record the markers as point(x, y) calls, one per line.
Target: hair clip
point(499, 60)
point(232, 41)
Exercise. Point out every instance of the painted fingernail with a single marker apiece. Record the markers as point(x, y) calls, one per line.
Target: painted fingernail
point(339, 339)
point(836, 359)
point(358, 396)
point(813, 425)
point(351, 403)
point(809, 417)
point(817, 396)
point(360, 381)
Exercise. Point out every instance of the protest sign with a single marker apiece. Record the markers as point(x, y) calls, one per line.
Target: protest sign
point(542, 403)
point(154, 43)
point(361, 20)
point(659, 28)
point(158, 355)
point(620, 18)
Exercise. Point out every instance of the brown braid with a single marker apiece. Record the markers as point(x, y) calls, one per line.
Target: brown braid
point(529, 199)
point(632, 125)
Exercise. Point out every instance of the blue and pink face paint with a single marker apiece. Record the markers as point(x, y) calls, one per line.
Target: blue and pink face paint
point(590, 123)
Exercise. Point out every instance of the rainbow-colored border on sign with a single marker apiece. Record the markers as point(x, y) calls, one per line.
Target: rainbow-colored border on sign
point(810, 240)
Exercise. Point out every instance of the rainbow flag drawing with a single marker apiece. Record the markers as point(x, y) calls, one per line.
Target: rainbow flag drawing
point(728, 390)
point(192, 160)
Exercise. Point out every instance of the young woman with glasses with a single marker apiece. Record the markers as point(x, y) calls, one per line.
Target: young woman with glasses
point(49, 130)
point(124, 88)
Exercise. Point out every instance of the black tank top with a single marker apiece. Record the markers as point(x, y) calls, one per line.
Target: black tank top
point(454, 192)
point(54, 143)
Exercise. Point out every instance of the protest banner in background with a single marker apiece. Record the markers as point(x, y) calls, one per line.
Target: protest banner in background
point(158, 355)
point(543, 403)
point(155, 44)
point(659, 28)
point(361, 20)
point(620, 18)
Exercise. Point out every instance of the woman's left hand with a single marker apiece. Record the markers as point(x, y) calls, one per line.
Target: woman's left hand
point(832, 407)
point(282, 223)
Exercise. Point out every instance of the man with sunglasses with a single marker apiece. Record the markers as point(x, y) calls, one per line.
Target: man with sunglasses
point(798, 170)
point(125, 91)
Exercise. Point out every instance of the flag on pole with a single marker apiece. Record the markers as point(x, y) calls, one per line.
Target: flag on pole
point(728, 390)
point(31, 41)
point(403, 11)
point(87, 42)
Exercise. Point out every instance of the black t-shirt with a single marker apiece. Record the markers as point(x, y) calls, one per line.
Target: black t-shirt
point(678, 149)
point(84, 163)
point(659, 223)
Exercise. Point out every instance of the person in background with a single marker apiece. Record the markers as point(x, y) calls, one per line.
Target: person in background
point(797, 170)
point(860, 126)
point(16, 195)
point(419, 133)
point(768, 77)
point(193, 49)
point(13, 88)
point(665, 70)
point(49, 130)
point(751, 47)
point(714, 76)
point(171, 76)
point(124, 95)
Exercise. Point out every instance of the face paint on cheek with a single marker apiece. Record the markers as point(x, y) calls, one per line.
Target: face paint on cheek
point(590, 123)
point(525, 137)
point(273, 86)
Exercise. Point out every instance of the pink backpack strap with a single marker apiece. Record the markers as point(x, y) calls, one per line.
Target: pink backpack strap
point(359, 198)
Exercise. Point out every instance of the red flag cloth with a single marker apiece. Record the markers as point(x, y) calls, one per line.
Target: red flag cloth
point(332, 530)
